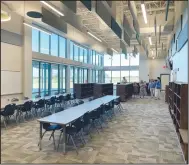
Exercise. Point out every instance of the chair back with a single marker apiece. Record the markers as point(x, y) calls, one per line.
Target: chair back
point(9, 109)
point(37, 96)
point(61, 97)
point(78, 124)
point(58, 109)
point(86, 118)
point(53, 99)
point(45, 114)
point(26, 106)
point(41, 103)
point(68, 97)
point(74, 95)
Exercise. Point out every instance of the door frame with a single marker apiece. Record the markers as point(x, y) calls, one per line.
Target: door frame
point(160, 79)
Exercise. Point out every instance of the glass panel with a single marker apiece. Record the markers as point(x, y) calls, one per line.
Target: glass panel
point(97, 78)
point(71, 79)
point(35, 40)
point(116, 60)
point(107, 60)
point(97, 59)
point(71, 50)
point(108, 76)
point(35, 80)
point(134, 76)
point(80, 75)
point(75, 75)
point(94, 57)
point(44, 78)
point(62, 78)
point(54, 44)
point(134, 60)
point(85, 56)
point(76, 53)
point(93, 76)
point(115, 77)
point(62, 47)
point(90, 57)
point(54, 78)
point(124, 62)
point(85, 76)
point(81, 58)
point(44, 43)
point(125, 74)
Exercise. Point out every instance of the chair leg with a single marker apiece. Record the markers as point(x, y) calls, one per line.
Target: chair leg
point(83, 137)
point(95, 127)
point(51, 134)
point(5, 122)
point(79, 134)
point(74, 144)
point(54, 141)
point(59, 140)
point(42, 136)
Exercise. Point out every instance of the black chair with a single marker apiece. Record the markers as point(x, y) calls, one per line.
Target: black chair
point(75, 104)
point(39, 106)
point(72, 131)
point(51, 103)
point(58, 109)
point(59, 100)
point(87, 122)
point(26, 108)
point(67, 99)
point(73, 98)
point(117, 103)
point(8, 112)
point(80, 102)
point(50, 128)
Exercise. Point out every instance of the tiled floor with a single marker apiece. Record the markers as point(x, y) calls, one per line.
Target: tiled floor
point(145, 134)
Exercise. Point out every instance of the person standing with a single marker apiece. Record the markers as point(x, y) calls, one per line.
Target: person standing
point(151, 87)
point(135, 87)
point(124, 81)
point(157, 89)
point(142, 89)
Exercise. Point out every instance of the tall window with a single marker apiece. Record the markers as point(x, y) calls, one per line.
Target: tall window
point(115, 77)
point(134, 76)
point(107, 60)
point(108, 77)
point(94, 57)
point(93, 76)
point(85, 56)
point(35, 81)
point(134, 60)
point(62, 78)
point(80, 75)
point(116, 60)
point(97, 76)
point(81, 55)
point(54, 44)
point(44, 43)
point(76, 78)
point(35, 40)
point(71, 50)
point(62, 47)
point(124, 60)
point(71, 78)
point(97, 62)
point(44, 79)
point(54, 77)
point(85, 75)
point(76, 53)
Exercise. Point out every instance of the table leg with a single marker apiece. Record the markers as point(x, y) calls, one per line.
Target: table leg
point(64, 139)
point(40, 135)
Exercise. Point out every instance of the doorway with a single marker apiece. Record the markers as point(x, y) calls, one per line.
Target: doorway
point(165, 78)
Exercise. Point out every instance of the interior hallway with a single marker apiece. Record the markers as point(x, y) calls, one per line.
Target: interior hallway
point(144, 135)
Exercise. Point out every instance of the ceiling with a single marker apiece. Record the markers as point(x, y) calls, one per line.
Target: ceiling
point(94, 24)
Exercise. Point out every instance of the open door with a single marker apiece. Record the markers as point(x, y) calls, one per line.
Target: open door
point(165, 78)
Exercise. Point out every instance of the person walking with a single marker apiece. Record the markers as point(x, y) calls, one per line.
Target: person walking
point(142, 89)
point(135, 89)
point(151, 87)
point(157, 89)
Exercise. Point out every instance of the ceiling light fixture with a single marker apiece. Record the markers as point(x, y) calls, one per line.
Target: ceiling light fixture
point(114, 50)
point(144, 12)
point(37, 28)
point(53, 8)
point(153, 57)
point(94, 36)
point(150, 40)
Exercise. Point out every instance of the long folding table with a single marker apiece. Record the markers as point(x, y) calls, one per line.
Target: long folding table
point(67, 116)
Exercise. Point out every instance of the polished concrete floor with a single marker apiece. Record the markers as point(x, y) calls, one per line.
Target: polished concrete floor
point(145, 134)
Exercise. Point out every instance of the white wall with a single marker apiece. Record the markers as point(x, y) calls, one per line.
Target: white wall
point(144, 69)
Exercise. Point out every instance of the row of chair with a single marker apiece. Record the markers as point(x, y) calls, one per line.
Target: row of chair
point(30, 108)
point(93, 119)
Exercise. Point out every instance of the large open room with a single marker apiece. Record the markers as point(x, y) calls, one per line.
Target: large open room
point(94, 82)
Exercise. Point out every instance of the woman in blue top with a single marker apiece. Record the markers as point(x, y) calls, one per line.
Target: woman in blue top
point(157, 89)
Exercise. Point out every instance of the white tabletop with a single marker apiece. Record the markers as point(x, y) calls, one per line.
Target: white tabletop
point(73, 113)
point(21, 102)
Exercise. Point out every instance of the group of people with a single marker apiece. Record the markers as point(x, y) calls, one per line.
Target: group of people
point(154, 86)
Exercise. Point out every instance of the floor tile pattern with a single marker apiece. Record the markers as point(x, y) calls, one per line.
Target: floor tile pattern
point(143, 134)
